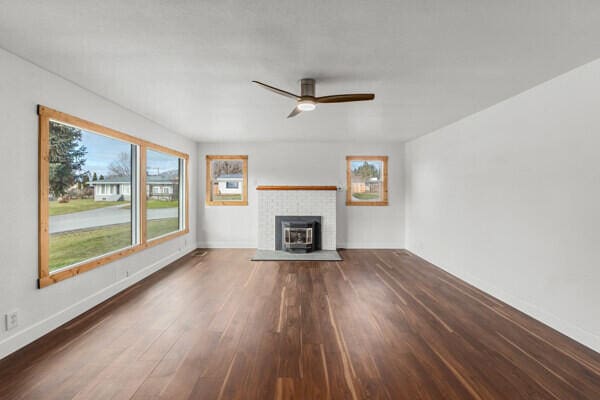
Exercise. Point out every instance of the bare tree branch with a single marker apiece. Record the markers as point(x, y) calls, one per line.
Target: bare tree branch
point(121, 166)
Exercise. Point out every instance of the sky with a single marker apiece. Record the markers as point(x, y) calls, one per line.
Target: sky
point(159, 162)
point(102, 150)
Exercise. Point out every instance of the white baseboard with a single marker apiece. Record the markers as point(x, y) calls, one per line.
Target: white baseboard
point(227, 245)
point(39, 329)
point(576, 333)
point(363, 245)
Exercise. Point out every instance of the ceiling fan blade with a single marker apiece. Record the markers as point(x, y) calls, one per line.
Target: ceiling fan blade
point(278, 91)
point(294, 112)
point(342, 98)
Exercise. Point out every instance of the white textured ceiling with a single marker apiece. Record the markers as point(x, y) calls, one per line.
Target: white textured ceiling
point(188, 64)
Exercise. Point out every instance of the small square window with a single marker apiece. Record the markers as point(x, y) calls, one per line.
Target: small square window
point(366, 181)
point(227, 180)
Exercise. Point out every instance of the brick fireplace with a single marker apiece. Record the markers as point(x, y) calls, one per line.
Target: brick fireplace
point(281, 201)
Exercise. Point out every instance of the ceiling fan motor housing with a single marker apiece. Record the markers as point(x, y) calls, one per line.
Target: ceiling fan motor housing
point(307, 87)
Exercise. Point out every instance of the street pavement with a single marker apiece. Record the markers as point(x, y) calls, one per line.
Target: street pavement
point(101, 217)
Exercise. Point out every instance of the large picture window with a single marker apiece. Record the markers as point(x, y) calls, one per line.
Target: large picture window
point(366, 181)
point(90, 196)
point(227, 180)
point(90, 211)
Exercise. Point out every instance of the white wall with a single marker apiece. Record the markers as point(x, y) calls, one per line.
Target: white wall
point(290, 163)
point(509, 200)
point(22, 87)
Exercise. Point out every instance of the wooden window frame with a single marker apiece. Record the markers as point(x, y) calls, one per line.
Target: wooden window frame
point(209, 159)
point(45, 116)
point(349, 201)
point(143, 207)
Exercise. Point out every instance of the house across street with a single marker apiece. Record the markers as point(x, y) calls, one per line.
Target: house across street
point(164, 186)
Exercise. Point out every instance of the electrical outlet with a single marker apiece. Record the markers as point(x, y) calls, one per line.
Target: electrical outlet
point(12, 320)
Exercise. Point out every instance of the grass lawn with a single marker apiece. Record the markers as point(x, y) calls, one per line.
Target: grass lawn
point(79, 205)
point(227, 197)
point(159, 227)
point(365, 196)
point(75, 246)
point(72, 247)
point(150, 204)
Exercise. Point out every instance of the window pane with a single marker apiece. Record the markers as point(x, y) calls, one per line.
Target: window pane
point(163, 177)
point(367, 180)
point(227, 180)
point(90, 202)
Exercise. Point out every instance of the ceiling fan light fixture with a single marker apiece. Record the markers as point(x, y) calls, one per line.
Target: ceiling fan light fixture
point(306, 105)
point(307, 101)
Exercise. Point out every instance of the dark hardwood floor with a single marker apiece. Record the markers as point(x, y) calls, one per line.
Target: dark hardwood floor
point(380, 325)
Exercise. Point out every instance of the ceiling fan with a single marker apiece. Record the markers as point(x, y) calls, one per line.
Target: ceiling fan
point(307, 101)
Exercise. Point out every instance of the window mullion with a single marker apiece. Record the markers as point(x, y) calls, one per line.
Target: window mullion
point(134, 193)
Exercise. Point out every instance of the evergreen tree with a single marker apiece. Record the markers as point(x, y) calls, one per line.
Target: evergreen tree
point(366, 171)
point(101, 177)
point(85, 180)
point(94, 177)
point(66, 156)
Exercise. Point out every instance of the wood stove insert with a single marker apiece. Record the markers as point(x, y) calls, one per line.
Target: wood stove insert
point(298, 234)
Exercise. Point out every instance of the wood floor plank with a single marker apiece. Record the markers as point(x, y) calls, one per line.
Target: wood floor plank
point(382, 324)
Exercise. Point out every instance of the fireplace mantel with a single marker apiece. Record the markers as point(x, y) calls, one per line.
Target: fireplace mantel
point(284, 187)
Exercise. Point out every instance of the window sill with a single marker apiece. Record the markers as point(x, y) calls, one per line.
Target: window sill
point(226, 203)
point(365, 203)
point(103, 260)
